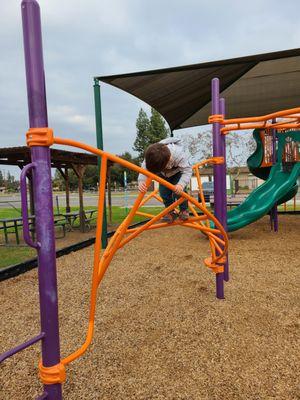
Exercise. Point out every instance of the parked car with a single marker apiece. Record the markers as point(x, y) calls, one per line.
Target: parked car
point(208, 190)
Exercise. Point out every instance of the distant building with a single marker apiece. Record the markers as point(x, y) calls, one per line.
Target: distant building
point(238, 179)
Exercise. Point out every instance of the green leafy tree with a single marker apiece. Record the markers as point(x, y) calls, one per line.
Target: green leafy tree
point(90, 179)
point(142, 134)
point(158, 129)
point(117, 170)
point(91, 175)
point(1, 178)
point(149, 131)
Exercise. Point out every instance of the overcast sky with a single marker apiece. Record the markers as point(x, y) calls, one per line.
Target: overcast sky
point(83, 39)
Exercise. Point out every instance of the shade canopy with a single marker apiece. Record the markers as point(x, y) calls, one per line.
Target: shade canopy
point(252, 85)
point(21, 156)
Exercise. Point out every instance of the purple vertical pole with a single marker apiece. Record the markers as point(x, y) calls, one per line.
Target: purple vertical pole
point(274, 211)
point(224, 188)
point(37, 107)
point(218, 172)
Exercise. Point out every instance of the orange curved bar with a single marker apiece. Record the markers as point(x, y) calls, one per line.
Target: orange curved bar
point(101, 262)
point(284, 113)
point(291, 121)
point(127, 164)
point(278, 125)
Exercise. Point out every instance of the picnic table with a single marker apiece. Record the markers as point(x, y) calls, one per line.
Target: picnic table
point(72, 216)
point(8, 224)
point(12, 225)
point(232, 200)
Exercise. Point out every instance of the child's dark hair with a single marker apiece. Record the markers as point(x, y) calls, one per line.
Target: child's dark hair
point(157, 156)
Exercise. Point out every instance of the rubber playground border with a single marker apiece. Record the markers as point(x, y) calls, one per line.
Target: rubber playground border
point(21, 268)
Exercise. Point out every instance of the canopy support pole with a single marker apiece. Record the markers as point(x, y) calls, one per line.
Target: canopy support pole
point(99, 134)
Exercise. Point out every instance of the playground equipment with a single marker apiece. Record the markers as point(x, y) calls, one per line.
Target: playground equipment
point(271, 163)
point(40, 138)
point(276, 160)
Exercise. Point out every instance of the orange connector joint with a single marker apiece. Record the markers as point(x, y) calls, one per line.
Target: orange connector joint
point(218, 160)
point(52, 375)
point(215, 267)
point(216, 118)
point(39, 137)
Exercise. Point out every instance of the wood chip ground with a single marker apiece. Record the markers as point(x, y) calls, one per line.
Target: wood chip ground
point(160, 332)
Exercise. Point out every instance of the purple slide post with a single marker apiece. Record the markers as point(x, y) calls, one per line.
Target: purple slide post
point(274, 211)
point(224, 188)
point(218, 173)
point(40, 156)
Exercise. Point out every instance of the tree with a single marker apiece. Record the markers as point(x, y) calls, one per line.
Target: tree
point(117, 170)
point(142, 135)
point(1, 178)
point(158, 130)
point(90, 179)
point(149, 131)
point(239, 146)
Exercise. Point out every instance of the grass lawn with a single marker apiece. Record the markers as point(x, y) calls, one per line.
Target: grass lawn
point(15, 255)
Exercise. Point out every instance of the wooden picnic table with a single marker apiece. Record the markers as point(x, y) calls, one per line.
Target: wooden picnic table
point(6, 224)
point(14, 223)
point(72, 216)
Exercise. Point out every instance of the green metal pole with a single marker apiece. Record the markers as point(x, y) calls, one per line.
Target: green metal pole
point(99, 134)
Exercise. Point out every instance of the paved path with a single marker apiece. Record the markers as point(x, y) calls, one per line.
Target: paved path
point(90, 199)
point(118, 199)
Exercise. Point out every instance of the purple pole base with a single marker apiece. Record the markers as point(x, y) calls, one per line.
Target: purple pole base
point(220, 286)
point(42, 396)
point(226, 270)
point(275, 220)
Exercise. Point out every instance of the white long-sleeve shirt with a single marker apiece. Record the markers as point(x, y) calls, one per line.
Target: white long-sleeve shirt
point(179, 162)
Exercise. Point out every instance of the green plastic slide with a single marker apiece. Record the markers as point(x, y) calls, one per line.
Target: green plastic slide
point(280, 186)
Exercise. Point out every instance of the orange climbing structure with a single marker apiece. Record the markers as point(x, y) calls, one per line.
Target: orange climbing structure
point(202, 220)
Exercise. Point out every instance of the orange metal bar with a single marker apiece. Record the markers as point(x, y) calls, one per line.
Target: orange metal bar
point(284, 113)
point(123, 228)
point(152, 221)
point(158, 198)
point(279, 126)
point(101, 263)
point(97, 251)
point(290, 121)
point(213, 160)
point(143, 214)
point(146, 199)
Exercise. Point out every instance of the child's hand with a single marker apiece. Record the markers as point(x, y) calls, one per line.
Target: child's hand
point(142, 187)
point(178, 189)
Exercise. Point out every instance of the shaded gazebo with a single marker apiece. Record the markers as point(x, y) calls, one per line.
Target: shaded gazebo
point(63, 161)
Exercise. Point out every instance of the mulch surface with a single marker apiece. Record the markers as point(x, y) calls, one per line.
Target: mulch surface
point(160, 332)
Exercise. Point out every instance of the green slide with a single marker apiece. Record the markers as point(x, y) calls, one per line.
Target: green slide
point(280, 186)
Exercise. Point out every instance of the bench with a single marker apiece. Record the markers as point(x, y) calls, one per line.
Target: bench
point(232, 200)
point(72, 216)
point(12, 225)
point(8, 224)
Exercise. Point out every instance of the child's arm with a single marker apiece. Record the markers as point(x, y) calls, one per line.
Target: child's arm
point(142, 179)
point(186, 172)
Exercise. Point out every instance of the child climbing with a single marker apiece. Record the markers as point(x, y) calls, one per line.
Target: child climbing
point(168, 159)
